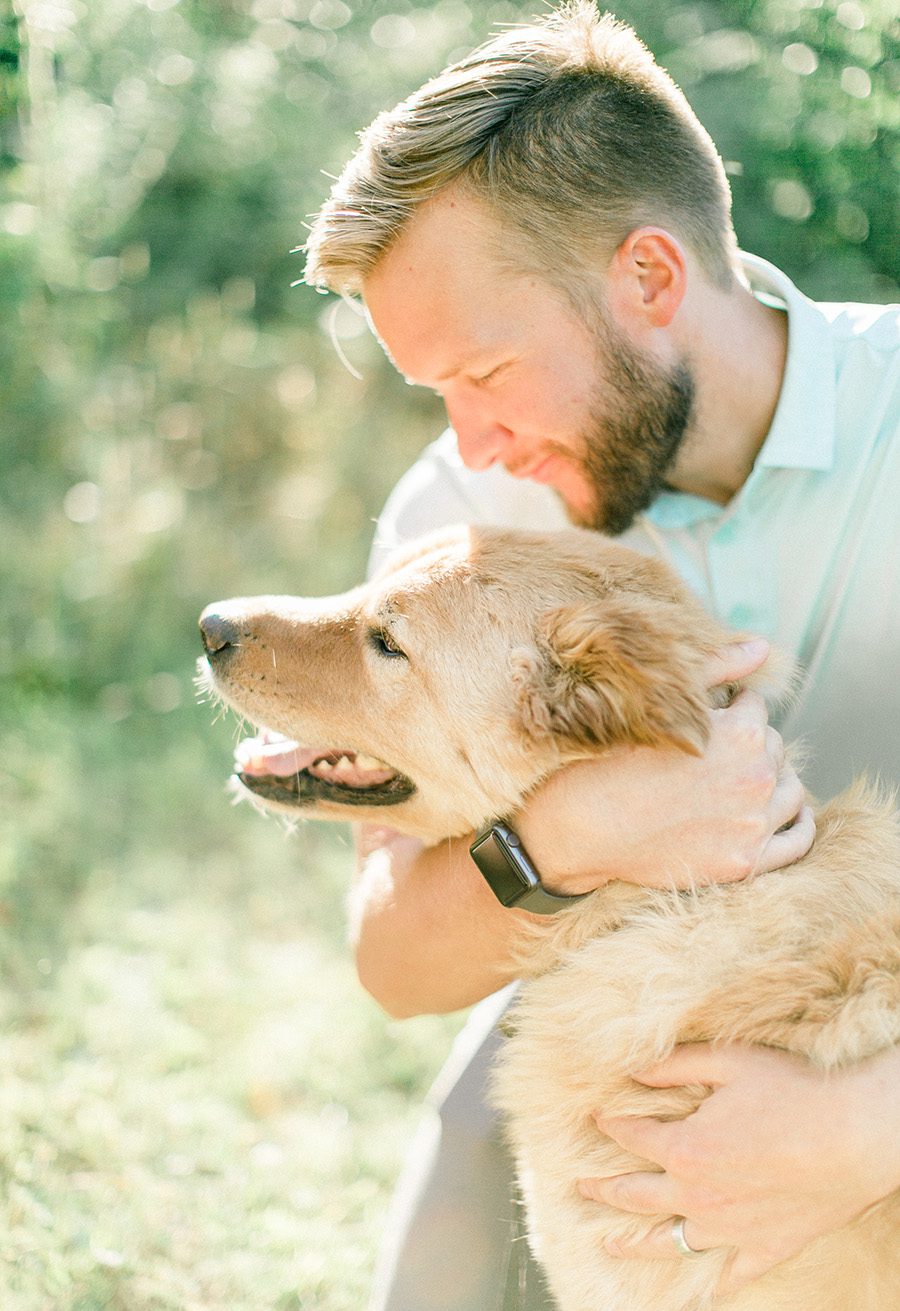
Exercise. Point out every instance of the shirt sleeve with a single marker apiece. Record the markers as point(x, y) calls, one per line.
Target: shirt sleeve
point(439, 491)
point(427, 497)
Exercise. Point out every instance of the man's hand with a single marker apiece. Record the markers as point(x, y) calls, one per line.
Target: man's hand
point(664, 818)
point(778, 1154)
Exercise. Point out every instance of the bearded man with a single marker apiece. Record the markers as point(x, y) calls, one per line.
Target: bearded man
point(542, 235)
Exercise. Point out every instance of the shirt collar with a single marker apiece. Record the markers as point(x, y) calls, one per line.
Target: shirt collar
point(802, 434)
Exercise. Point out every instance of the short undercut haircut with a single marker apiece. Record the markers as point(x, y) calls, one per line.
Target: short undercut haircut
point(567, 130)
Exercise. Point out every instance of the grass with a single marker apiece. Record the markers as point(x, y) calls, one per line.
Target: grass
point(200, 1107)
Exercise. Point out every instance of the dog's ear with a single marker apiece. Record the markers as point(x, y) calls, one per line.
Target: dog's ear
point(621, 670)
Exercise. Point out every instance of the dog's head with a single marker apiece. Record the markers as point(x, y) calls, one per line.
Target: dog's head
point(437, 695)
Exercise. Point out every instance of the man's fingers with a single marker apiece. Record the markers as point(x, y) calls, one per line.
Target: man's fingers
point(789, 844)
point(736, 661)
point(692, 1062)
point(748, 719)
point(641, 1134)
point(776, 751)
point(660, 1245)
point(642, 1193)
point(787, 799)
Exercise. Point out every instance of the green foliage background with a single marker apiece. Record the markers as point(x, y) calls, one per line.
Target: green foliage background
point(183, 1037)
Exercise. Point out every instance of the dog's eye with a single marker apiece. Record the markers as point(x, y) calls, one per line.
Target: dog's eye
point(384, 644)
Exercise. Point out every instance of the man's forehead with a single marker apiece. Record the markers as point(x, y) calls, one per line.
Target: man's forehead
point(443, 240)
point(432, 297)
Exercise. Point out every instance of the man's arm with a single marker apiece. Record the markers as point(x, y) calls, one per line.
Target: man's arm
point(429, 934)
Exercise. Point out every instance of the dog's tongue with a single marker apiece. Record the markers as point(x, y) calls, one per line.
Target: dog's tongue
point(270, 753)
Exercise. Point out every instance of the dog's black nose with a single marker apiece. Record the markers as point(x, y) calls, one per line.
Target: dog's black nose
point(218, 632)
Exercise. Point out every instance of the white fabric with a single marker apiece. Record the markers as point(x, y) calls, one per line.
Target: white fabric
point(807, 553)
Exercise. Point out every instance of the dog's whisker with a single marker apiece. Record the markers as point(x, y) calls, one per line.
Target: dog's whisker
point(243, 727)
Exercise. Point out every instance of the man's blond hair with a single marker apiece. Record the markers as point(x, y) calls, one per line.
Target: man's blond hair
point(568, 130)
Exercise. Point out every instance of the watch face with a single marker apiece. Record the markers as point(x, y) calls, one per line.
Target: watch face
point(508, 871)
point(500, 867)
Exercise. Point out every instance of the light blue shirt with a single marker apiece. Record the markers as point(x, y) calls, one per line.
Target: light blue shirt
point(806, 553)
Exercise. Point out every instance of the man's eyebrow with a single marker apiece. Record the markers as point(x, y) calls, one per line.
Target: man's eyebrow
point(441, 377)
point(460, 367)
point(464, 364)
point(489, 352)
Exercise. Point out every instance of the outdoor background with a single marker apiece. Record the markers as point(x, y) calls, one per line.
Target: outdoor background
point(199, 1108)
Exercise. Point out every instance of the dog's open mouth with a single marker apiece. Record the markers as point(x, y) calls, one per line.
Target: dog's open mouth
point(277, 769)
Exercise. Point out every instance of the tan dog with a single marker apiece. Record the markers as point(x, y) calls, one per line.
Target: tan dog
point(440, 695)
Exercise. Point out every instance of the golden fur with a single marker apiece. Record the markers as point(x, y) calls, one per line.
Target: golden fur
point(521, 652)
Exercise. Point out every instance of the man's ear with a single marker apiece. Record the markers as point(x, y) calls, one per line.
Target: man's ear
point(624, 670)
point(647, 279)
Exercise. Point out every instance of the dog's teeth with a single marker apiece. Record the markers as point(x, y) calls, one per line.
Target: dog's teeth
point(369, 762)
point(324, 766)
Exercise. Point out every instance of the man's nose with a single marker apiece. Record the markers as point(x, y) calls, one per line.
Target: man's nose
point(481, 440)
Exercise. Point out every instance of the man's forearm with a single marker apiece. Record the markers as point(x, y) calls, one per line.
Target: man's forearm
point(429, 935)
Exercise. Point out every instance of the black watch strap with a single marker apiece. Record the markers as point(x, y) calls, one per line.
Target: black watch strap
point(508, 871)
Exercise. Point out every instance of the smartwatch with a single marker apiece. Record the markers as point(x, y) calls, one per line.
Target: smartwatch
point(508, 871)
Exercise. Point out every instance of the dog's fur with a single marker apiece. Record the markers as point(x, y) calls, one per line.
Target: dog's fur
point(520, 653)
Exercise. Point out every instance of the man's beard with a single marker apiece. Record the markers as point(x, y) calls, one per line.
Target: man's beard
point(633, 435)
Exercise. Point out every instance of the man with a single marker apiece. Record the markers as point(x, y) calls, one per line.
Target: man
point(543, 236)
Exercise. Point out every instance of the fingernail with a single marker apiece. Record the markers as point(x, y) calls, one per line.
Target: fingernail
point(754, 646)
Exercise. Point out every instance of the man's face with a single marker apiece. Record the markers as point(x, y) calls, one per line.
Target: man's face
point(526, 382)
